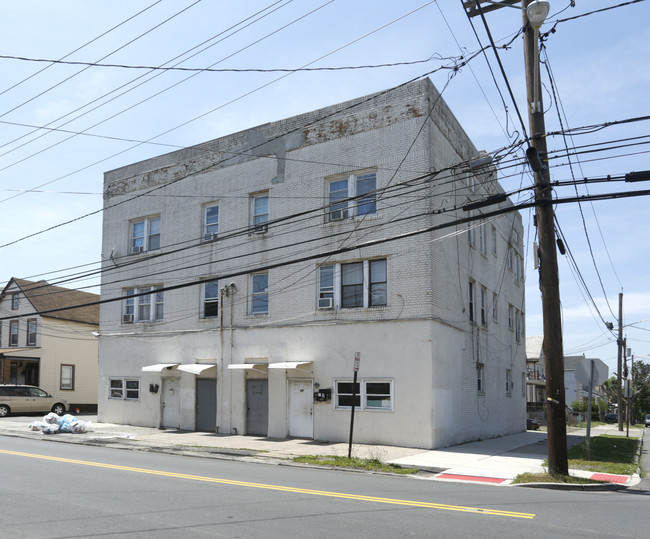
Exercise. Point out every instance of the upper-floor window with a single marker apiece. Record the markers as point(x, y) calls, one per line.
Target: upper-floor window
point(211, 299)
point(494, 240)
point(13, 333)
point(511, 317)
point(67, 377)
point(509, 382)
point(470, 229)
point(480, 377)
point(145, 308)
point(483, 306)
point(495, 308)
point(259, 298)
point(471, 301)
point(352, 196)
point(31, 332)
point(145, 235)
point(260, 212)
point(211, 222)
point(357, 284)
point(15, 301)
point(482, 240)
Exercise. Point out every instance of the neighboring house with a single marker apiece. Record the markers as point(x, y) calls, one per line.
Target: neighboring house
point(44, 342)
point(247, 272)
point(576, 378)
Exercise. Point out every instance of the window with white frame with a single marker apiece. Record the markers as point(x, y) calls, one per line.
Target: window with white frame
point(355, 284)
point(471, 301)
point(260, 212)
point(145, 235)
point(67, 378)
point(354, 195)
point(31, 332)
point(210, 299)
point(509, 382)
point(210, 222)
point(15, 301)
point(483, 306)
point(259, 298)
point(148, 307)
point(124, 389)
point(370, 394)
point(13, 333)
point(480, 377)
point(482, 240)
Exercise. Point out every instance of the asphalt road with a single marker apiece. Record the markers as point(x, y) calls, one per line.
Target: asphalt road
point(69, 490)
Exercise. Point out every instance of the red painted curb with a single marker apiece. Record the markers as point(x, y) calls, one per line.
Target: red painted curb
point(610, 478)
point(470, 478)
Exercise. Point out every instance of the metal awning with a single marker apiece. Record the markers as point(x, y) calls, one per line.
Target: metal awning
point(248, 366)
point(289, 364)
point(159, 367)
point(196, 368)
point(14, 349)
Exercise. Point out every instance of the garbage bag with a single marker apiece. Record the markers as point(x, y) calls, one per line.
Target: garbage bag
point(52, 418)
point(50, 428)
point(36, 425)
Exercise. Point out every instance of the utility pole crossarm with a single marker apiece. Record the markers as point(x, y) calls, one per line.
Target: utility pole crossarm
point(472, 6)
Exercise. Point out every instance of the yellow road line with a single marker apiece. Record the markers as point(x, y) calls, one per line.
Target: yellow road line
point(359, 497)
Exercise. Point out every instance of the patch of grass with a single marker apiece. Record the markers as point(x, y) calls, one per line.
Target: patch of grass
point(609, 454)
point(557, 478)
point(374, 465)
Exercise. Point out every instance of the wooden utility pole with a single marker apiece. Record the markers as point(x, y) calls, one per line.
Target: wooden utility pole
point(549, 282)
point(619, 374)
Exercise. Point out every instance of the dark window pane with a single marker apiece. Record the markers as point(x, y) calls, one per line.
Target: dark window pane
point(346, 400)
point(352, 296)
point(378, 388)
point(346, 387)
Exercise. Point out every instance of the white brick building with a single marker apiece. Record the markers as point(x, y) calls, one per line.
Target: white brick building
point(249, 279)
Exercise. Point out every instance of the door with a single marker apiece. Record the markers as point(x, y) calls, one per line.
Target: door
point(301, 403)
point(206, 404)
point(257, 407)
point(171, 403)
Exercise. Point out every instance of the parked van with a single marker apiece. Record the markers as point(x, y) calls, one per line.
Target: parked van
point(26, 399)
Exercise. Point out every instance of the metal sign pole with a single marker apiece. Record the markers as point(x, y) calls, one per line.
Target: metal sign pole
point(357, 362)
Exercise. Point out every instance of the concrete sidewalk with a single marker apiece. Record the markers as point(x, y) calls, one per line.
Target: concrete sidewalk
point(493, 461)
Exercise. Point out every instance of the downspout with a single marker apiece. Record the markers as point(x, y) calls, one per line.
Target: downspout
point(220, 360)
point(231, 292)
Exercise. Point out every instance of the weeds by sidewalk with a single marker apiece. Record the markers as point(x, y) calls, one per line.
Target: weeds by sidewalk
point(371, 464)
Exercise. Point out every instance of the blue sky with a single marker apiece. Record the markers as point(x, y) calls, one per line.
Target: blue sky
point(598, 64)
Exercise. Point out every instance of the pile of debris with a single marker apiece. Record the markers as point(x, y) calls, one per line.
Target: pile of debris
point(53, 424)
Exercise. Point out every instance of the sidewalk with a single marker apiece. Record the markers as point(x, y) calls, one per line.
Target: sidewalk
point(493, 461)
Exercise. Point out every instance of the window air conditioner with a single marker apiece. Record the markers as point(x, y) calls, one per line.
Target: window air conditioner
point(127, 318)
point(209, 236)
point(136, 249)
point(261, 229)
point(325, 303)
point(338, 215)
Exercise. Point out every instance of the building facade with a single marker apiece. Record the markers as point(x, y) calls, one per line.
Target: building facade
point(45, 342)
point(243, 276)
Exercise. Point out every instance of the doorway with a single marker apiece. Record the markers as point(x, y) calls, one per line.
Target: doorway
point(171, 403)
point(257, 406)
point(301, 406)
point(206, 404)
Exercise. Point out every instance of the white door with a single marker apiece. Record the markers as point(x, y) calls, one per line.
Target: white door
point(171, 403)
point(301, 405)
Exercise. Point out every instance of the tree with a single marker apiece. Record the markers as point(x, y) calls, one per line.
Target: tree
point(641, 395)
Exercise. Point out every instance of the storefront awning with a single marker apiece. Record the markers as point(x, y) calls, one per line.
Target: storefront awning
point(289, 364)
point(159, 367)
point(196, 368)
point(248, 366)
point(14, 349)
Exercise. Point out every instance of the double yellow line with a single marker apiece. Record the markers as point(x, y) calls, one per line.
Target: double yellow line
point(358, 497)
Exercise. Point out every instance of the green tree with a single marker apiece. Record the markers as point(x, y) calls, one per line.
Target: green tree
point(641, 395)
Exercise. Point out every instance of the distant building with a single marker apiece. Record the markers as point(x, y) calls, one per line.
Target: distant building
point(44, 342)
point(576, 378)
point(248, 272)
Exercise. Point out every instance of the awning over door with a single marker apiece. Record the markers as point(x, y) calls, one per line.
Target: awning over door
point(14, 349)
point(289, 364)
point(248, 366)
point(196, 368)
point(159, 367)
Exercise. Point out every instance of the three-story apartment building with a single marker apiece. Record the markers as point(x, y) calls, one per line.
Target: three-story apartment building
point(248, 272)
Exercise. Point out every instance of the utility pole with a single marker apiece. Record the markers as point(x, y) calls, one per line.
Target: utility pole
point(619, 374)
point(549, 281)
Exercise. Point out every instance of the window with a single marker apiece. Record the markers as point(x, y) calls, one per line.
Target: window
point(15, 301)
point(124, 389)
point(211, 299)
point(511, 317)
point(259, 302)
point(509, 382)
point(354, 195)
point(31, 332)
point(144, 308)
point(495, 308)
point(483, 306)
point(482, 240)
point(494, 240)
point(509, 256)
point(470, 229)
point(260, 211)
point(480, 377)
point(211, 223)
point(471, 299)
point(13, 333)
point(517, 267)
point(370, 394)
point(523, 384)
point(354, 285)
point(67, 377)
point(517, 326)
point(145, 235)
